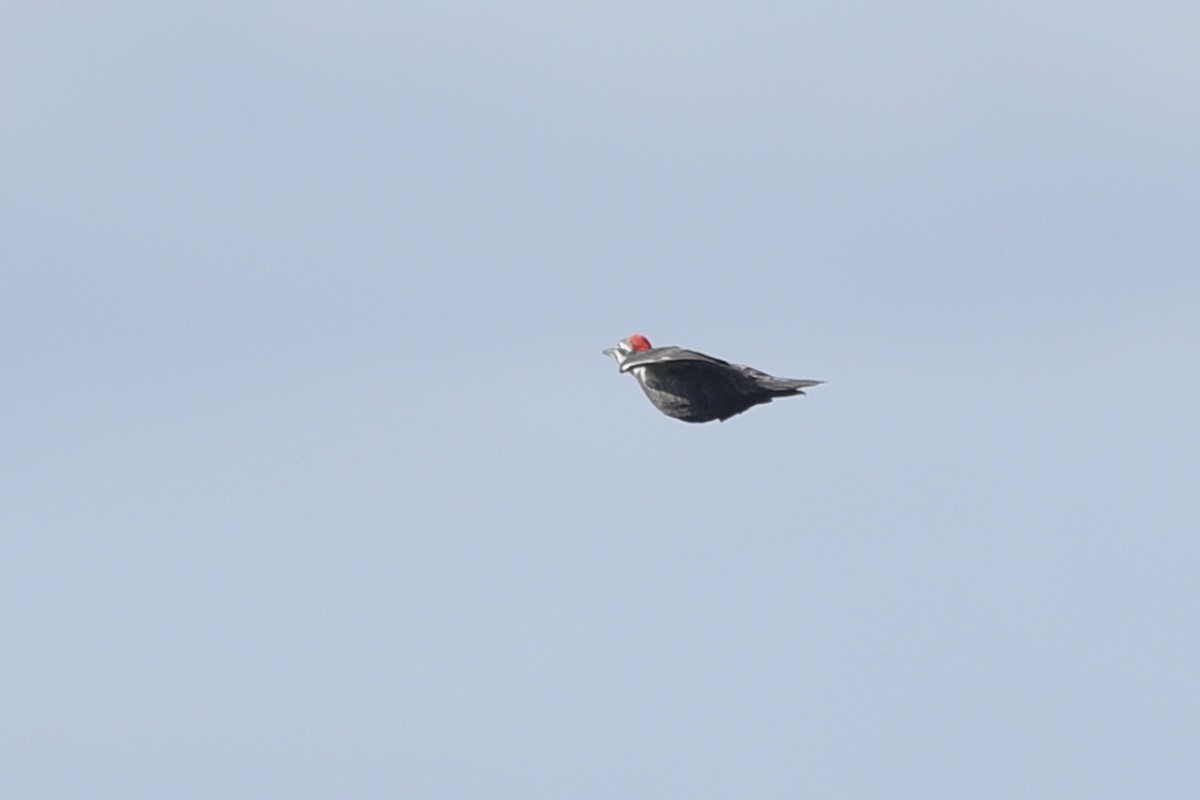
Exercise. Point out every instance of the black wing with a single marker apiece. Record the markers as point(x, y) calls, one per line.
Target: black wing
point(662, 355)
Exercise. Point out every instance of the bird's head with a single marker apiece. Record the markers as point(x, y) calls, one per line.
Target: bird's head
point(627, 347)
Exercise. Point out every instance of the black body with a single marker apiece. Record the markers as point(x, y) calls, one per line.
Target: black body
point(693, 387)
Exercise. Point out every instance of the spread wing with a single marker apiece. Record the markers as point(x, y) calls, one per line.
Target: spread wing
point(662, 355)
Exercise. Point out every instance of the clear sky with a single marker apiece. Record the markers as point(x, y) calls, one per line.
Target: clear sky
point(316, 483)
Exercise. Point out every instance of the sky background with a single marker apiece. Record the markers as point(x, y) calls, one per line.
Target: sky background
point(316, 483)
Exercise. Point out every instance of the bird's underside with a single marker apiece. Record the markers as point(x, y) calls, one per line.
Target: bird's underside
point(694, 393)
point(693, 387)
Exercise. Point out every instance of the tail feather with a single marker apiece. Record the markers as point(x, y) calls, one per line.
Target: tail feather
point(785, 386)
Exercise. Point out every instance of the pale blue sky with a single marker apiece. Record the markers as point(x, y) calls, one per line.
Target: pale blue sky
point(316, 483)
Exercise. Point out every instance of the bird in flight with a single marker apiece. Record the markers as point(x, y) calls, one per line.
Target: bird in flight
point(693, 387)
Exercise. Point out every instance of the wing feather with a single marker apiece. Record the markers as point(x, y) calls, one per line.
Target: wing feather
point(661, 355)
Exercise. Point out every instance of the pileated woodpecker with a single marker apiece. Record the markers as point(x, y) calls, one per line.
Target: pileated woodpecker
point(694, 387)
